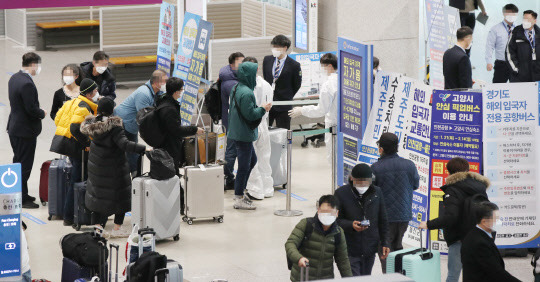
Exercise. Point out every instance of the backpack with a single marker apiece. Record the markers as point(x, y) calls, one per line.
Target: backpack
point(150, 125)
point(83, 248)
point(469, 211)
point(161, 164)
point(212, 101)
point(307, 235)
point(144, 268)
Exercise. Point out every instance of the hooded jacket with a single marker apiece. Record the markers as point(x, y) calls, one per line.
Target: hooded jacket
point(108, 188)
point(354, 207)
point(519, 56)
point(458, 186)
point(228, 80)
point(105, 81)
point(244, 96)
point(68, 139)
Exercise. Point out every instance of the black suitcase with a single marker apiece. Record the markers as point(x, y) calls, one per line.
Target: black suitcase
point(59, 180)
point(81, 215)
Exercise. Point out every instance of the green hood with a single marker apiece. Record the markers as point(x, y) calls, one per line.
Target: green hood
point(247, 74)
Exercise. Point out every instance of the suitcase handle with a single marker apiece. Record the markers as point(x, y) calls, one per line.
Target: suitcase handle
point(197, 147)
point(146, 231)
point(160, 272)
point(304, 272)
point(425, 255)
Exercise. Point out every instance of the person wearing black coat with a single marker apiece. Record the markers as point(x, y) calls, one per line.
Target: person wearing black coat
point(523, 50)
point(457, 68)
point(98, 71)
point(362, 215)
point(108, 188)
point(72, 78)
point(481, 259)
point(24, 122)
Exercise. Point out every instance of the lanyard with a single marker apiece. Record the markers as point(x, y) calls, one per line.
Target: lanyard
point(277, 73)
point(533, 43)
point(508, 28)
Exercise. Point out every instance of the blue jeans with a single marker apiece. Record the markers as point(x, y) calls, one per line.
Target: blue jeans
point(246, 161)
point(70, 195)
point(362, 265)
point(133, 158)
point(230, 158)
point(454, 262)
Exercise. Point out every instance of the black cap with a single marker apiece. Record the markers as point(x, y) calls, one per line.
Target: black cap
point(105, 106)
point(87, 86)
point(388, 138)
point(361, 171)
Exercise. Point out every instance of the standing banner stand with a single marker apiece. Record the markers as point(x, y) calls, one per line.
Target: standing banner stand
point(334, 132)
point(188, 35)
point(10, 220)
point(165, 39)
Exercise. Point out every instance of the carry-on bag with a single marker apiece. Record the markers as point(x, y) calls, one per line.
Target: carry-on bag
point(148, 262)
point(206, 154)
point(85, 255)
point(419, 264)
point(59, 181)
point(81, 215)
point(44, 183)
point(304, 272)
point(204, 189)
point(278, 155)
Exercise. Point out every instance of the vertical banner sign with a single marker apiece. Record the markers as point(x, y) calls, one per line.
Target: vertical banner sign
point(312, 74)
point(456, 131)
point(354, 64)
point(313, 25)
point(193, 81)
point(10, 217)
point(512, 159)
point(301, 24)
point(186, 45)
point(165, 40)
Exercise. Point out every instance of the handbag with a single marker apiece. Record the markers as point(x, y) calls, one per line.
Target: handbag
point(252, 124)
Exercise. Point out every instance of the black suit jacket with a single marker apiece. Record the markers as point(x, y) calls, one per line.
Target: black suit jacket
point(26, 115)
point(481, 259)
point(457, 69)
point(460, 4)
point(288, 82)
point(519, 56)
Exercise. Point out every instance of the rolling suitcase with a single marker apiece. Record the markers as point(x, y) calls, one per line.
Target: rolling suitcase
point(44, 183)
point(419, 264)
point(59, 179)
point(156, 204)
point(204, 190)
point(81, 215)
point(278, 155)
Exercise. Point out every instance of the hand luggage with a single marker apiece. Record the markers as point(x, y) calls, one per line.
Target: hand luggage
point(304, 272)
point(189, 151)
point(81, 215)
point(79, 248)
point(72, 271)
point(204, 190)
point(278, 155)
point(156, 204)
point(419, 264)
point(44, 183)
point(59, 179)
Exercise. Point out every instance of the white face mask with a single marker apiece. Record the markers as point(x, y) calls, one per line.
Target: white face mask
point(327, 219)
point(38, 70)
point(96, 97)
point(101, 70)
point(163, 88)
point(69, 79)
point(469, 47)
point(497, 225)
point(275, 52)
point(510, 18)
point(362, 190)
point(527, 24)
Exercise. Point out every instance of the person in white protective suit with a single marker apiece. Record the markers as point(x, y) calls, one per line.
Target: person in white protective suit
point(327, 106)
point(260, 183)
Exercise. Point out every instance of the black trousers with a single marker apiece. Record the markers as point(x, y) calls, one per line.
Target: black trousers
point(24, 150)
point(468, 19)
point(396, 230)
point(283, 120)
point(502, 72)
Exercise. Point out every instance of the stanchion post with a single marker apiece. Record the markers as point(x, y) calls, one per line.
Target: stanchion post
point(334, 158)
point(287, 211)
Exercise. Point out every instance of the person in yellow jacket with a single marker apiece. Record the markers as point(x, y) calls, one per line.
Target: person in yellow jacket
point(68, 139)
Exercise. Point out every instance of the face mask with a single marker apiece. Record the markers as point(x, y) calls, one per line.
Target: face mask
point(510, 18)
point(96, 97)
point(361, 190)
point(69, 80)
point(38, 70)
point(496, 226)
point(163, 88)
point(527, 24)
point(101, 70)
point(469, 47)
point(275, 52)
point(326, 218)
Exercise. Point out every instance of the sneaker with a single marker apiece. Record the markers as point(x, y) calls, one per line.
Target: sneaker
point(243, 204)
point(29, 205)
point(120, 233)
point(251, 198)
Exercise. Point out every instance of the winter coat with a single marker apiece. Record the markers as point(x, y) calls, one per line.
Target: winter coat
point(228, 80)
point(108, 188)
point(25, 115)
point(171, 125)
point(397, 177)
point(106, 82)
point(238, 129)
point(68, 139)
point(141, 98)
point(458, 186)
point(354, 207)
point(320, 250)
point(60, 97)
point(519, 56)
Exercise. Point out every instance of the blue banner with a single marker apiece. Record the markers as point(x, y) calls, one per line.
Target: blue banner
point(188, 36)
point(165, 40)
point(10, 218)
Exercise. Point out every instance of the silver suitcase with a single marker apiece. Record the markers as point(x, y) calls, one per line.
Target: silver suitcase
point(204, 190)
point(156, 204)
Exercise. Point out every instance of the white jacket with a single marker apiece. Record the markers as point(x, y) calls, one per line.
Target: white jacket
point(327, 106)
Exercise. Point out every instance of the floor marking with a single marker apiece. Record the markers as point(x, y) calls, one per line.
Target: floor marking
point(33, 218)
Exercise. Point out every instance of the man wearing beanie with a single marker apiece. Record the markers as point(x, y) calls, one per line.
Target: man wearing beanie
point(68, 139)
point(397, 177)
point(362, 215)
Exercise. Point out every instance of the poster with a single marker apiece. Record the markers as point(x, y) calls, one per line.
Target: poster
point(10, 218)
point(312, 76)
point(313, 28)
point(22, 4)
point(456, 131)
point(186, 45)
point(301, 24)
point(165, 39)
point(351, 94)
point(193, 81)
point(511, 160)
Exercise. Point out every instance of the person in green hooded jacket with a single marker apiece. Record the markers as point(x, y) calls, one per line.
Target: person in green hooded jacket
point(244, 117)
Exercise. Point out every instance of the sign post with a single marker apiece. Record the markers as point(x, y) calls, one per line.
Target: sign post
point(10, 220)
point(165, 39)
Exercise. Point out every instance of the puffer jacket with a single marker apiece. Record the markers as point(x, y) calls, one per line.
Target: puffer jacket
point(369, 206)
point(397, 177)
point(68, 139)
point(320, 250)
point(106, 81)
point(228, 80)
point(109, 180)
point(458, 187)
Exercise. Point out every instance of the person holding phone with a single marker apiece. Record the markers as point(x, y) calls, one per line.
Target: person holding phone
point(363, 219)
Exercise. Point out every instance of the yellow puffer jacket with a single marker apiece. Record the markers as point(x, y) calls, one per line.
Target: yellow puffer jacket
point(68, 139)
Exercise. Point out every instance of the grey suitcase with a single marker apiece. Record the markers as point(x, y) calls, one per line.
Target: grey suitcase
point(59, 179)
point(278, 155)
point(204, 190)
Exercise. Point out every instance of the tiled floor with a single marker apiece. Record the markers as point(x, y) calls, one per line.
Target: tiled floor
point(248, 246)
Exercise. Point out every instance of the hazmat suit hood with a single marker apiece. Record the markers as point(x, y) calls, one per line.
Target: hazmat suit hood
point(247, 74)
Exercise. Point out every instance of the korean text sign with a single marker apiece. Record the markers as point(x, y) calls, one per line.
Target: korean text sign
point(165, 39)
point(186, 45)
point(10, 217)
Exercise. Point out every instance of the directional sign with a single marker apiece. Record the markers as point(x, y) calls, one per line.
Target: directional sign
point(10, 218)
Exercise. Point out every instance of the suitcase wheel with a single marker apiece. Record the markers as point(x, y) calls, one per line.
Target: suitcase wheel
point(184, 219)
point(43, 203)
point(304, 144)
point(177, 237)
point(77, 227)
point(220, 219)
point(189, 222)
point(49, 218)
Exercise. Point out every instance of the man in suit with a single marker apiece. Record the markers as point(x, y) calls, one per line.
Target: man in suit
point(523, 50)
point(479, 254)
point(457, 69)
point(24, 123)
point(285, 76)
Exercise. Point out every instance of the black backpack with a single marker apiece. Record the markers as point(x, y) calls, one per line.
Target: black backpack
point(307, 235)
point(161, 164)
point(83, 248)
point(150, 126)
point(145, 267)
point(212, 101)
point(469, 211)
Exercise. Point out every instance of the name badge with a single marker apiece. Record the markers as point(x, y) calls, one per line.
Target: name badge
point(273, 86)
point(534, 56)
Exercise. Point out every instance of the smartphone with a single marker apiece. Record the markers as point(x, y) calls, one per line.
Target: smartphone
point(364, 223)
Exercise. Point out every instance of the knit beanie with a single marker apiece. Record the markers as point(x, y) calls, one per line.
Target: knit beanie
point(87, 86)
point(105, 106)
